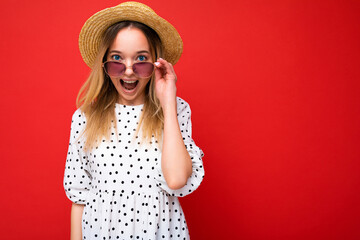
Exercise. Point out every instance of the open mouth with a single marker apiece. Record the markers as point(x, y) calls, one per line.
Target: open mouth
point(129, 85)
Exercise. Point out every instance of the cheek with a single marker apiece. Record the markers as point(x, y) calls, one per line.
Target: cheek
point(115, 81)
point(146, 82)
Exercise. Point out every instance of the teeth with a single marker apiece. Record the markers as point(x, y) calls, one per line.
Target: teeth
point(129, 81)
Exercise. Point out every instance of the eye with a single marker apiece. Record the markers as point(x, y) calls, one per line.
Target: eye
point(141, 58)
point(115, 57)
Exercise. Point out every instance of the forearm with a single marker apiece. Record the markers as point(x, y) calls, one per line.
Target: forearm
point(76, 215)
point(176, 163)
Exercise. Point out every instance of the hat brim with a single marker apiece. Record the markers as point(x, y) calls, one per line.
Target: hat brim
point(95, 27)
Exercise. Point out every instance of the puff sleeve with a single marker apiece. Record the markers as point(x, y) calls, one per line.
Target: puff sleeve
point(196, 154)
point(77, 177)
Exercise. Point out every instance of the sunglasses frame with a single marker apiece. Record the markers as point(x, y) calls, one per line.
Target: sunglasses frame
point(103, 66)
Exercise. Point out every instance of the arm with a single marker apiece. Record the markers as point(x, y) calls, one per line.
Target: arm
point(76, 216)
point(196, 154)
point(175, 161)
point(77, 177)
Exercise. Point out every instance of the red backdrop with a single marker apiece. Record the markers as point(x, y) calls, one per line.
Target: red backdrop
point(274, 91)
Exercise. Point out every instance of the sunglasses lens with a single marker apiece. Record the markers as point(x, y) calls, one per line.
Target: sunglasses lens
point(114, 69)
point(143, 69)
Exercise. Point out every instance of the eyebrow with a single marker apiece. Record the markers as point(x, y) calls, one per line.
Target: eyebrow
point(142, 51)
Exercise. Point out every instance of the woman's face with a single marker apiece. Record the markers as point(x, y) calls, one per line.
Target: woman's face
point(130, 46)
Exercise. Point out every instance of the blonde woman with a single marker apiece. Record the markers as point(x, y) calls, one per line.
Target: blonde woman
point(131, 153)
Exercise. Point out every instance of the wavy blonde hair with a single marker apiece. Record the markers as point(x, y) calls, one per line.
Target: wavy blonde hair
point(98, 96)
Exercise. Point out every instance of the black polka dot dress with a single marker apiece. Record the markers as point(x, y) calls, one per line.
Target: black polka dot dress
point(121, 183)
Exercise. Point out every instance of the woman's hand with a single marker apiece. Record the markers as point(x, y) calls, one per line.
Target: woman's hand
point(165, 83)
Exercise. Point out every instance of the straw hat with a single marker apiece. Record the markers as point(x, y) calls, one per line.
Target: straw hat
point(94, 28)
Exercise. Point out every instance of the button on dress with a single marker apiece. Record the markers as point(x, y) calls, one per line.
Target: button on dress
point(121, 182)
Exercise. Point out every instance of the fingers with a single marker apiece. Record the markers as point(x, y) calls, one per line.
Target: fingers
point(165, 68)
point(173, 71)
point(158, 73)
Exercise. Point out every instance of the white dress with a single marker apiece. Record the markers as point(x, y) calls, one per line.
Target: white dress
point(121, 182)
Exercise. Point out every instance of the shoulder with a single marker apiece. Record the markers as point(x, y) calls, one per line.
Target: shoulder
point(78, 119)
point(78, 115)
point(183, 111)
point(182, 106)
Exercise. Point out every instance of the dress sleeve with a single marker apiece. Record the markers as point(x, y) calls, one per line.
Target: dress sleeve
point(77, 177)
point(196, 154)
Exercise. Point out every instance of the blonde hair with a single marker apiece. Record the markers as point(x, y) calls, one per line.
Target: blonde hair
point(98, 96)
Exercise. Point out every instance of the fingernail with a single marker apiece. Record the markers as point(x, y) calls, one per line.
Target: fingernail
point(157, 63)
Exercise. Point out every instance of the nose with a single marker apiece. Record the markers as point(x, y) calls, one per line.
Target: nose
point(128, 70)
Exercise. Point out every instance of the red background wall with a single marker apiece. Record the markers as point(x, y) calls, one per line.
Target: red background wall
point(274, 90)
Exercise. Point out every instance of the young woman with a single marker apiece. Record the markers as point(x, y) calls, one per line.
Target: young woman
point(131, 153)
